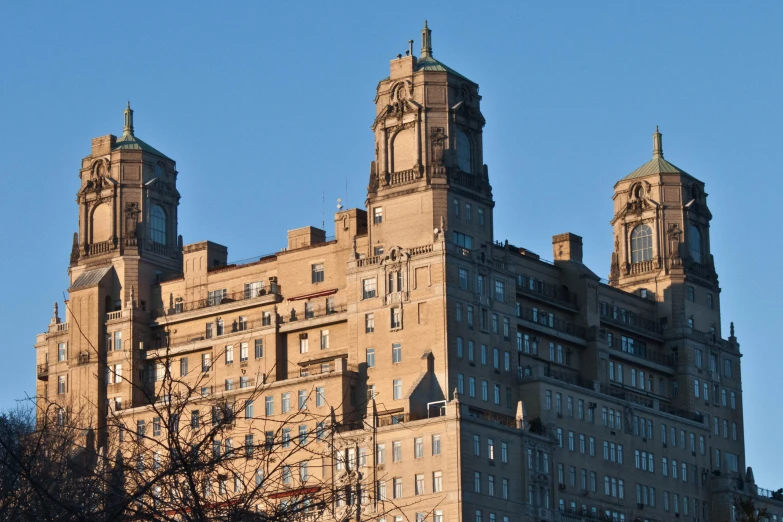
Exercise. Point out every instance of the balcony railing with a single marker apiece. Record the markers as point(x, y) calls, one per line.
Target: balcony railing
point(640, 349)
point(649, 401)
point(100, 248)
point(114, 315)
point(565, 375)
point(43, 371)
point(402, 177)
point(468, 180)
point(552, 292)
point(642, 267)
point(198, 304)
point(558, 324)
point(314, 313)
point(630, 320)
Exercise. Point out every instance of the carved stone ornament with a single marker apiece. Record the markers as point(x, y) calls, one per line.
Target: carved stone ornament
point(437, 141)
point(674, 234)
point(131, 219)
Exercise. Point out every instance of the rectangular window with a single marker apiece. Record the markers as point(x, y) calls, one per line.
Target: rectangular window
point(709, 302)
point(370, 357)
point(396, 318)
point(324, 339)
point(463, 278)
point(61, 352)
point(243, 356)
point(369, 323)
point(369, 288)
point(480, 213)
point(266, 318)
point(396, 353)
point(500, 291)
point(691, 294)
point(377, 215)
point(317, 270)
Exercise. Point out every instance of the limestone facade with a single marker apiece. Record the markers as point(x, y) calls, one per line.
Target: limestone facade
point(613, 398)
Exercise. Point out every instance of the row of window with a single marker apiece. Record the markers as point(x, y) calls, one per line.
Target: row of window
point(481, 284)
point(484, 320)
point(393, 284)
point(418, 450)
point(713, 363)
point(419, 486)
point(485, 390)
point(490, 491)
point(465, 212)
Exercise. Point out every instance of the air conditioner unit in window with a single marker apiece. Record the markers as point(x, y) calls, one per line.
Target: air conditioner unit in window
point(639, 506)
point(592, 405)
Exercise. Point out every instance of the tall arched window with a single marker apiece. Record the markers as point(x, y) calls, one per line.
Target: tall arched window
point(158, 225)
point(463, 152)
point(695, 244)
point(641, 244)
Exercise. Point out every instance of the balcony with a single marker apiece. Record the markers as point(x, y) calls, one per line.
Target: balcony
point(199, 304)
point(566, 375)
point(642, 267)
point(549, 293)
point(559, 325)
point(467, 180)
point(632, 322)
point(648, 400)
point(43, 371)
point(640, 350)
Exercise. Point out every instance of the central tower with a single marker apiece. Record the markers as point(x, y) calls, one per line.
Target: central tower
point(428, 166)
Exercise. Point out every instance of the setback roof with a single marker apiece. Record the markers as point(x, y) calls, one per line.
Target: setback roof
point(89, 278)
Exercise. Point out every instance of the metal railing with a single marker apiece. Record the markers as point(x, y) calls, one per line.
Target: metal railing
point(198, 304)
point(640, 349)
point(43, 370)
point(548, 290)
point(314, 313)
point(630, 319)
point(560, 325)
point(649, 401)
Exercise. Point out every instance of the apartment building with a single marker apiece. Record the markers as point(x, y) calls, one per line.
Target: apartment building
point(496, 385)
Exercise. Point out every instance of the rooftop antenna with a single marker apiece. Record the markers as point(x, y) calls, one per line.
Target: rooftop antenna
point(323, 221)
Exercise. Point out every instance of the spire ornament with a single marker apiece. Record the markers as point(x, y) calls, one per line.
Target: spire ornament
point(426, 41)
point(657, 144)
point(128, 129)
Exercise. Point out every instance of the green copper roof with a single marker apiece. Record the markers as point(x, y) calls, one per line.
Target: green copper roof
point(657, 165)
point(131, 142)
point(428, 63)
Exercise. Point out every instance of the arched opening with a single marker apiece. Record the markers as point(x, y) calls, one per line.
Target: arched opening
point(463, 153)
point(695, 244)
point(403, 151)
point(101, 223)
point(158, 225)
point(641, 244)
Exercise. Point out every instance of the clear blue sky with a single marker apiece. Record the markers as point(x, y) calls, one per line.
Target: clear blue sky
point(257, 101)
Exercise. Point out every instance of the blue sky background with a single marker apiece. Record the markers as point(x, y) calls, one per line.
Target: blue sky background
point(257, 101)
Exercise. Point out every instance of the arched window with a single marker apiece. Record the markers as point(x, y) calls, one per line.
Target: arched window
point(641, 244)
point(695, 244)
point(158, 225)
point(463, 152)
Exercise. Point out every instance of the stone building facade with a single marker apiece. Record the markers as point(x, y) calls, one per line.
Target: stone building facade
point(533, 389)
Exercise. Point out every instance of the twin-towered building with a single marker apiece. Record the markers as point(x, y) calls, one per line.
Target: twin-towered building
point(498, 386)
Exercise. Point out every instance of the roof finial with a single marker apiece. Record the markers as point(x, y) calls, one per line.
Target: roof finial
point(426, 41)
point(128, 121)
point(657, 144)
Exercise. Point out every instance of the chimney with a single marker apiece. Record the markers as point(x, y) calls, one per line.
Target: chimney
point(567, 247)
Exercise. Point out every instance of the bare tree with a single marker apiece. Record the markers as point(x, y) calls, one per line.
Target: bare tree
point(188, 457)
